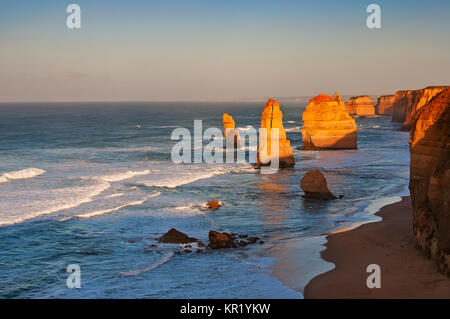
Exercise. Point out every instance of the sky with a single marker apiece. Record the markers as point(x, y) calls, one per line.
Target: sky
point(196, 50)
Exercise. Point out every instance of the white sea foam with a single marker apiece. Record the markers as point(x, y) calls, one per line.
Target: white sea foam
point(182, 175)
point(22, 174)
point(291, 122)
point(161, 262)
point(246, 128)
point(123, 176)
point(114, 209)
point(293, 129)
point(115, 195)
point(57, 200)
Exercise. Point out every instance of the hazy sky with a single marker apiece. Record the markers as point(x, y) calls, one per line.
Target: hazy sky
point(207, 50)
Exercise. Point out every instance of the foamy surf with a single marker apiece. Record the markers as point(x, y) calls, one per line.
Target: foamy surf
point(179, 175)
point(161, 262)
point(123, 176)
point(22, 174)
point(62, 201)
point(112, 210)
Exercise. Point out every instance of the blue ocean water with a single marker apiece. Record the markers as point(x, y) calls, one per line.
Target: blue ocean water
point(94, 185)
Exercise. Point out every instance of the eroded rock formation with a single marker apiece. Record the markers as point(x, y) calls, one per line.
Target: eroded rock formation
point(327, 125)
point(385, 105)
point(272, 118)
point(430, 178)
point(315, 186)
point(408, 102)
point(232, 138)
point(360, 106)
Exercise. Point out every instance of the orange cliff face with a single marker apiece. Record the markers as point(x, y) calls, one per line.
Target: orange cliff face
point(407, 102)
point(361, 106)
point(231, 135)
point(327, 125)
point(385, 105)
point(430, 178)
point(272, 118)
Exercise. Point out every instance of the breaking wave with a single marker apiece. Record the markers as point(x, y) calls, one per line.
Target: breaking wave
point(22, 174)
point(161, 262)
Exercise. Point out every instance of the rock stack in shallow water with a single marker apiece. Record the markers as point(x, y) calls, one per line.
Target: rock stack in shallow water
point(385, 105)
point(360, 106)
point(232, 138)
point(315, 186)
point(408, 102)
point(272, 117)
point(327, 125)
point(430, 178)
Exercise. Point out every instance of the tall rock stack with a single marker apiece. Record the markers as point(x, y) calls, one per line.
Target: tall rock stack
point(272, 117)
point(430, 178)
point(360, 106)
point(408, 102)
point(327, 125)
point(385, 105)
point(231, 134)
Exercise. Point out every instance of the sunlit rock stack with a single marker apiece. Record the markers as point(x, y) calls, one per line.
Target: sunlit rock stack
point(430, 178)
point(360, 106)
point(385, 105)
point(272, 117)
point(327, 125)
point(231, 134)
point(407, 102)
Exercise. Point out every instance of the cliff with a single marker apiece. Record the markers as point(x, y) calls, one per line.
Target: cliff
point(360, 106)
point(327, 125)
point(430, 178)
point(385, 104)
point(272, 117)
point(407, 102)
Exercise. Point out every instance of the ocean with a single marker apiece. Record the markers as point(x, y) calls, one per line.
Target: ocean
point(93, 184)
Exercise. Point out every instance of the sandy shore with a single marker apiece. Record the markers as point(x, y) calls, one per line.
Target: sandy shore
point(405, 271)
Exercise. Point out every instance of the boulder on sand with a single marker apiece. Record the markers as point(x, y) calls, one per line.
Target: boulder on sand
point(315, 186)
point(174, 236)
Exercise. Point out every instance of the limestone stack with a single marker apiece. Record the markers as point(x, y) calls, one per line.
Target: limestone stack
point(272, 117)
point(430, 178)
point(385, 104)
point(231, 134)
point(360, 106)
point(407, 102)
point(327, 125)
